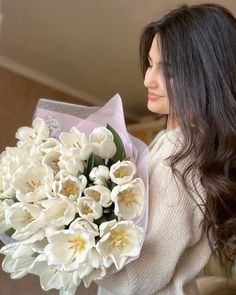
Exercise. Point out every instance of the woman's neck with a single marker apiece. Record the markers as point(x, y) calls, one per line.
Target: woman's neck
point(171, 124)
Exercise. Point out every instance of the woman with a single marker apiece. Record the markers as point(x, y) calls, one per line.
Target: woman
point(189, 66)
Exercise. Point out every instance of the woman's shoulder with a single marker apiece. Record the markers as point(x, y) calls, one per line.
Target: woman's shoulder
point(166, 142)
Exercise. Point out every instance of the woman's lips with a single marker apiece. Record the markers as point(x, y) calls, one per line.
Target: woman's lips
point(153, 96)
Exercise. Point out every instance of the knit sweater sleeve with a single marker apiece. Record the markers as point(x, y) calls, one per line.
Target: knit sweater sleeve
point(174, 240)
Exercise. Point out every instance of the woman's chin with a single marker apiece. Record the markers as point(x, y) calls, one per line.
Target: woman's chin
point(157, 108)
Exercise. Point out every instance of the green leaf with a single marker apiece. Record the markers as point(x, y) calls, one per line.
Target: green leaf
point(35, 254)
point(111, 216)
point(9, 232)
point(100, 220)
point(120, 149)
point(90, 165)
point(98, 161)
point(110, 184)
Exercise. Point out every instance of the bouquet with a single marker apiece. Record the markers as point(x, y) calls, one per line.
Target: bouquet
point(73, 196)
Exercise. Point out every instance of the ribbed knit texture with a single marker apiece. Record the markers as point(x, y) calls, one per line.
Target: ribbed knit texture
point(175, 249)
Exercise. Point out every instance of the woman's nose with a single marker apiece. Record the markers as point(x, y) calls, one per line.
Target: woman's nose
point(149, 80)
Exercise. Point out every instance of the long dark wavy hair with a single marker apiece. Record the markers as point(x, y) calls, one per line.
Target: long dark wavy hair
point(198, 49)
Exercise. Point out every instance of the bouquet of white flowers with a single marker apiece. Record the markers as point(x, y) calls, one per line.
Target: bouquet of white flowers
point(73, 196)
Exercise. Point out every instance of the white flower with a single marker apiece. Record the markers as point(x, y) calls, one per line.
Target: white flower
point(120, 241)
point(38, 152)
point(96, 274)
point(48, 153)
point(58, 212)
point(18, 259)
point(51, 276)
point(84, 224)
point(99, 175)
point(70, 186)
point(78, 141)
point(82, 270)
point(105, 227)
point(1, 176)
point(51, 159)
point(32, 182)
point(122, 172)
point(98, 262)
point(100, 172)
point(99, 193)
point(70, 162)
point(87, 271)
point(3, 225)
point(49, 144)
point(38, 246)
point(37, 134)
point(128, 199)
point(3, 207)
point(92, 269)
point(103, 142)
point(23, 218)
point(88, 208)
point(69, 248)
point(11, 160)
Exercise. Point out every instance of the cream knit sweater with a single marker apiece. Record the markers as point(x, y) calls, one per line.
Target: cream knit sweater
point(175, 250)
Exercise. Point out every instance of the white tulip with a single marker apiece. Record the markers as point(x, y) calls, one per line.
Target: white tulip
point(129, 199)
point(11, 160)
point(99, 193)
point(103, 142)
point(85, 224)
point(88, 208)
point(3, 225)
point(38, 246)
point(96, 260)
point(92, 269)
point(47, 153)
point(38, 133)
point(58, 212)
point(96, 274)
point(120, 241)
point(77, 141)
point(49, 144)
point(51, 159)
point(122, 172)
point(51, 276)
point(105, 227)
point(70, 186)
point(99, 172)
point(18, 259)
point(38, 152)
point(23, 218)
point(69, 248)
point(70, 162)
point(4, 205)
point(32, 182)
point(1, 176)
